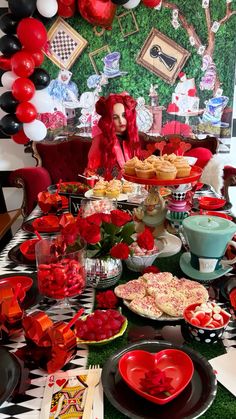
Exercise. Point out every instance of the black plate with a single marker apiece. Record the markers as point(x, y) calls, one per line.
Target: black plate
point(10, 374)
point(28, 227)
point(17, 257)
point(227, 286)
point(191, 403)
point(53, 188)
point(32, 296)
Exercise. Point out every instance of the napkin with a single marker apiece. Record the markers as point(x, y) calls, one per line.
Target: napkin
point(225, 369)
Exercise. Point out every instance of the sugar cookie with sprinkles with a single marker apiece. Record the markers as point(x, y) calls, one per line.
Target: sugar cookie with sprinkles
point(173, 305)
point(146, 306)
point(132, 289)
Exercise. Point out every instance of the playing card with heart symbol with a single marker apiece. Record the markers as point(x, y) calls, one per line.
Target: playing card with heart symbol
point(63, 396)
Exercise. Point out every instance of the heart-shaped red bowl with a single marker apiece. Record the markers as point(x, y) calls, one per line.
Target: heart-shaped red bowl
point(210, 203)
point(27, 248)
point(176, 364)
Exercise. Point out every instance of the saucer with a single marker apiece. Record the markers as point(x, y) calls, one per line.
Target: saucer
point(195, 274)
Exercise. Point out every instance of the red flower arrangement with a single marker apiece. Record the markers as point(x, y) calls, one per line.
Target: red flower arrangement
point(107, 235)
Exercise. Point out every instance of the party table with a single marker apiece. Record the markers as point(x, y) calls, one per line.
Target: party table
point(28, 405)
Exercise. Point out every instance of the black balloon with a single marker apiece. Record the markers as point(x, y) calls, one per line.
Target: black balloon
point(10, 125)
point(40, 78)
point(9, 45)
point(22, 8)
point(8, 103)
point(119, 2)
point(8, 23)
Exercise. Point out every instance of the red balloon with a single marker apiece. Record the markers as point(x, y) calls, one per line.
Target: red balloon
point(98, 12)
point(20, 137)
point(32, 33)
point(67, 2)
point(5, 63)
point(23, 89)
point(22, 64)
point(151, 3)
point(38, 57)
point(65, 11)
point(26, 112)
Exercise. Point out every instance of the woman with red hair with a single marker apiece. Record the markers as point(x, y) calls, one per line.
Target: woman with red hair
point(118, 140)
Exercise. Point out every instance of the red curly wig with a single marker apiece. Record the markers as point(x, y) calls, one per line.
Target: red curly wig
point(104, 107)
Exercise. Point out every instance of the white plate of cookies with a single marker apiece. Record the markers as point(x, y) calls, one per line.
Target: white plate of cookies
point(120, 197)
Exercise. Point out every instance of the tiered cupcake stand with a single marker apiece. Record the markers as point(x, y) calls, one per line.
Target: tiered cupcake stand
point(178, 207)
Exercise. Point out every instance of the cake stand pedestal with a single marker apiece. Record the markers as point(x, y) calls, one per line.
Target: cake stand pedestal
point(187, 115)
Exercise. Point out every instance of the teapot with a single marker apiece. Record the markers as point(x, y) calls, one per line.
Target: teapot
point(208, 238)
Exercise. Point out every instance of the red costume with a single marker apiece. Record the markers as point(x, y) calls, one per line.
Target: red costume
point(109, 150)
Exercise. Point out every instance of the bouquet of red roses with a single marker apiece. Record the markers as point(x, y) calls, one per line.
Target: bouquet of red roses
point(106, 234)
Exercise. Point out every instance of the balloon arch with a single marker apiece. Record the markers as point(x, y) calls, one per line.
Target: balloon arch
point(22, 48)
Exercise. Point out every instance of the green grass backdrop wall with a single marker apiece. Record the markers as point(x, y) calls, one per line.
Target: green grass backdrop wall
point(138, 79)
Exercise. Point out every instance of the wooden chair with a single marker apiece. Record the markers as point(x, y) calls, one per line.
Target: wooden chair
point(7, 218)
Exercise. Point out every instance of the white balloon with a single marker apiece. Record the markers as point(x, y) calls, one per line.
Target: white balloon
point(47, 8)
point(8, 79)
point(42, 101)
point(131, 4)
point(35, 131)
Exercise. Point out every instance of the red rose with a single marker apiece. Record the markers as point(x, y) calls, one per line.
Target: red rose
point(106, 218)
point(106, 299)
point(91, 234)
point(120, 251)
point(95, 219)
point(120, 218)
point(149, 269)
point(145, 240)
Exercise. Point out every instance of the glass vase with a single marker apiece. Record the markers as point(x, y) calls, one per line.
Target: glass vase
point(103, 273)
point(60, 276)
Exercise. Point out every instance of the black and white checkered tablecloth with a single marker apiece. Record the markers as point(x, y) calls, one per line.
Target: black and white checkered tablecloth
point(28, 406)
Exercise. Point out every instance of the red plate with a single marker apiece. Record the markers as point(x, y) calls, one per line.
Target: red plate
point(175, 363)
point(216, 214)
point(195, 174)
point(46, 224)
point(210, 203)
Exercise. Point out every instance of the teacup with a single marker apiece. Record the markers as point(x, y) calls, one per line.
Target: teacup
point(208, 238)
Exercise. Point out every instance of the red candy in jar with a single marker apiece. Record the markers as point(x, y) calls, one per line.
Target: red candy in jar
point(65, 278)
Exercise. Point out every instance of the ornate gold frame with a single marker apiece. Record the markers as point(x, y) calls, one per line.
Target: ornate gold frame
point(82, 43)
point(96, 52)
point(120, 17)
point(153, 64)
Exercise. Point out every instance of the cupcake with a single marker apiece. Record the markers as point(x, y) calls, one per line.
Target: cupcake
point(100, 188)
point(116, 184)
point(153, 159)
point(182, 166)
point(170, 157)
point(127, 187)
point(144, 170)
point(129, 166)
point(166, 171)
point(112, 192)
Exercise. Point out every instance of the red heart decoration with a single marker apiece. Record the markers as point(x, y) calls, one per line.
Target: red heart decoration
point(98, 12)
point(50, 384)
point(60, 382)
point(176, 364)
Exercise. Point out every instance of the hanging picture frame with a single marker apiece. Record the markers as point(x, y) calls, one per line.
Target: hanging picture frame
point(96, 58)
point(128, 23)
point(162, 56)
point(65, 44)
